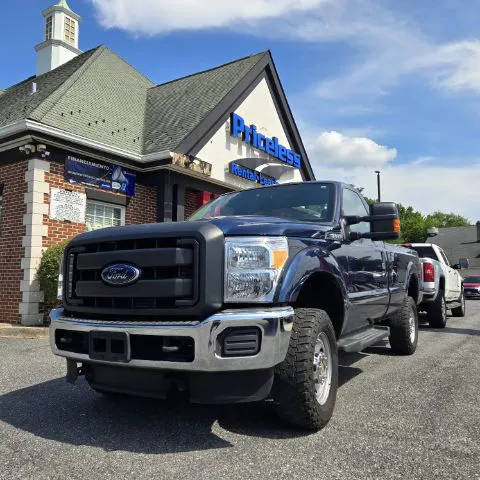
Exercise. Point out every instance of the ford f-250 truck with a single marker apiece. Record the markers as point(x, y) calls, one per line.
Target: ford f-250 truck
point(249, 299)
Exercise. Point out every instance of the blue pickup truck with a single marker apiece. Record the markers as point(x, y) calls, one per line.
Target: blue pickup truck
point(250, 299)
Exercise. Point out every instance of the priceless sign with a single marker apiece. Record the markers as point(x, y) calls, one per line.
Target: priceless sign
point(65, 205)
point(95, 174)
point(265, 144)
point(252, 175)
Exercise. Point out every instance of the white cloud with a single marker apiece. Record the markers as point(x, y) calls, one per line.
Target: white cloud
point(456, 66)
point(339, 149)
point(424, 183)
point(388, 45)
point(151, 17)
point(424, 186)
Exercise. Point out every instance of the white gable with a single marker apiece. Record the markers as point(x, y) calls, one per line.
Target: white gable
point(259, 109)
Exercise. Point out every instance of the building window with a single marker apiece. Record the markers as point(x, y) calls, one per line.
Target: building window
point(49, 28)
point(70, 30)
point(102, 215)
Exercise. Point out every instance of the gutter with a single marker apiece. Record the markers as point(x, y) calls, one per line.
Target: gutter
point(32, 126)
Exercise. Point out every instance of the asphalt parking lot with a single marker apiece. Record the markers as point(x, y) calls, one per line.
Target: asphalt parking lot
point(396, 417)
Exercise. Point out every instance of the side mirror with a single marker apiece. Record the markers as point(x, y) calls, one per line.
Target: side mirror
point(384, 221)
point(463, 263)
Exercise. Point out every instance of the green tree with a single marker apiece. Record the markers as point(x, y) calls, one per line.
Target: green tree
point(443, 220)
point(47, 274)
point(414, 224)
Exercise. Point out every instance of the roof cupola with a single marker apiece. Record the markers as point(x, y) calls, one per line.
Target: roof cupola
point(60, 37)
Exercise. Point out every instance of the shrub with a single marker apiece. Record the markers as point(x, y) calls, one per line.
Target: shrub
point(47, 274)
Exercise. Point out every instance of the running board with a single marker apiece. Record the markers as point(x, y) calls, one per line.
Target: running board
point(358, 341)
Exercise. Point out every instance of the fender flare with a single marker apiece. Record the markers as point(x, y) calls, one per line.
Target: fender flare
point(413, 272)
point(307, 263)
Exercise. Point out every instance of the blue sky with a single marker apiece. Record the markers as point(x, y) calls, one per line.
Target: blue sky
point(383, 85)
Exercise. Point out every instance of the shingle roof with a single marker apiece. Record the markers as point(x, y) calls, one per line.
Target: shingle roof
point(18, 103)
point(460, 242)
point(106, 102)
point(175, 108)
point(97, 95)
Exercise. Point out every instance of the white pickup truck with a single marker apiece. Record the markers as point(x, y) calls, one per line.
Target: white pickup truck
point(442, 284)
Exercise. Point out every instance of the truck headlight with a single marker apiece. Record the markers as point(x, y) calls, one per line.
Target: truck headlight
point(252, 268)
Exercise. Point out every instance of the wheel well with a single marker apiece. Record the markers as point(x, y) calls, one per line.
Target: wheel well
point(322, 291)
point(442, 283)
point(413, 288)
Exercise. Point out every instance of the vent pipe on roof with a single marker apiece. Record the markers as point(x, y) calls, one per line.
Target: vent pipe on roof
point(478, 231)
point(34, 88)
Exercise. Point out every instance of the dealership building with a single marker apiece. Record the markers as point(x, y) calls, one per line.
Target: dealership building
point(89, 142)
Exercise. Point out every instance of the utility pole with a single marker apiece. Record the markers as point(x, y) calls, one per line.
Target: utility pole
point(378, 183)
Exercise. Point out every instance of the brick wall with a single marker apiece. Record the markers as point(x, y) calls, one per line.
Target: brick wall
point(59, 231)
point(142, 208)
point(191, 202)
point(11, 232)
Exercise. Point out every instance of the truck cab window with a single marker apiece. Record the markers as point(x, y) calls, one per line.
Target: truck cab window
point(445, 258)
point(353, 205)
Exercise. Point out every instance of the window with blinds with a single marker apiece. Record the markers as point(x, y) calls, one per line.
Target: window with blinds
point(102, 215)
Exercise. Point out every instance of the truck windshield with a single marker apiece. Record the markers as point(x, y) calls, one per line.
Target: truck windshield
point(306, 202)
point(425, 252)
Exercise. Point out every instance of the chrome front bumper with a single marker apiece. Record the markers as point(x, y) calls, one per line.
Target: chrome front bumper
point(275, 325)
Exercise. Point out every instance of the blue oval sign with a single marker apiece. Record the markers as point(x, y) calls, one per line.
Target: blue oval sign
point(120, 274)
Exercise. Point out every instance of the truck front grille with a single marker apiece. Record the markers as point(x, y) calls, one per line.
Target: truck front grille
point(169, 274)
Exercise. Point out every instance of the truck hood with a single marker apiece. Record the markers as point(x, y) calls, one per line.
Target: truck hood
point(228, 226)
point(258, 225)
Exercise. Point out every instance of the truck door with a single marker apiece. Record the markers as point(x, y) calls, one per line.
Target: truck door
point(367, 272)
point(452, 279)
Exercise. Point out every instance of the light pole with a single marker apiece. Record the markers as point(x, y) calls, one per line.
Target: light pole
point(378, 183)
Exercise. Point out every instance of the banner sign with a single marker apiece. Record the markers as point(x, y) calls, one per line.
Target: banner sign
point(65, 205)
point(251, 175)
point(95, 174)
point(265, 144)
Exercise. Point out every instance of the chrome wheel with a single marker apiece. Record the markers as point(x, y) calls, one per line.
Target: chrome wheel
point(411, 327)
point(322, 364)
point(444, 309)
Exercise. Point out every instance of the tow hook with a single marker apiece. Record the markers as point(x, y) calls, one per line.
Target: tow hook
point(73, 372)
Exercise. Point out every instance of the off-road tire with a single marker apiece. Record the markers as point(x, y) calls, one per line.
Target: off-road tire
point(293, 390)
point(402, 341)
point(437, 312)
point(460, 311)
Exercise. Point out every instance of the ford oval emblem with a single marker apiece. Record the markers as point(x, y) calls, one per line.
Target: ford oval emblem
point(120, 274)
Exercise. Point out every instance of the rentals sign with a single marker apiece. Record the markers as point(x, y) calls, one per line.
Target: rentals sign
point(252, 175)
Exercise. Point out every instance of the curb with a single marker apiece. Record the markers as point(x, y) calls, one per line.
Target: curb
point(13, 331)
